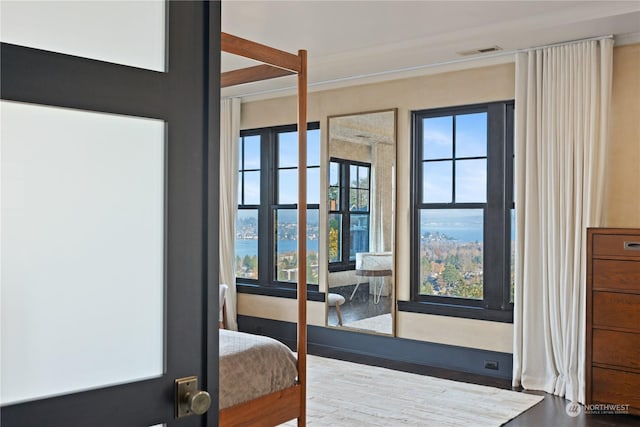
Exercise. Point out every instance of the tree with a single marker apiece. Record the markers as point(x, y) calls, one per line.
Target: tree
point(251, 265)
point(426, 288)
point(451, 276)
point(334, 246)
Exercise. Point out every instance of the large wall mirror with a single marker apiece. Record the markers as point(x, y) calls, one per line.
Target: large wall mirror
point(361, 221)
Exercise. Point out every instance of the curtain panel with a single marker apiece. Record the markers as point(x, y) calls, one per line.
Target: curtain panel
point(561, 122)
point(229, 146)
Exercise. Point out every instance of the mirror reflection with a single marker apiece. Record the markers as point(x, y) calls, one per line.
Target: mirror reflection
point(360, 222)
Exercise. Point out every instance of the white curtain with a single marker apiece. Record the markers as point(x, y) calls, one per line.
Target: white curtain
point(229, 143)
point(376, 205)
point(562, 104)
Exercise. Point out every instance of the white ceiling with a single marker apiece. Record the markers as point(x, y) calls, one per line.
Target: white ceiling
point(353, 42)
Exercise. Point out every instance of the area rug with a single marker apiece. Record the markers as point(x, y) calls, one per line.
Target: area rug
point(381, 323)
point(343, 394)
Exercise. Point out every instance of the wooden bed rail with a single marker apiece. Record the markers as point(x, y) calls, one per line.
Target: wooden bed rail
point(252, 74)
point(278, 63)
point(302, 234)
point(259, 52)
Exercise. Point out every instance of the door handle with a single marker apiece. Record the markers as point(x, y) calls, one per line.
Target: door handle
point(190, 400)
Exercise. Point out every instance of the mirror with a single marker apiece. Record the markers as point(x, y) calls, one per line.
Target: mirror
point(360, 221)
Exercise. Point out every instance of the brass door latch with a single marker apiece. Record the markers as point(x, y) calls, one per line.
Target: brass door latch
point(189, 400)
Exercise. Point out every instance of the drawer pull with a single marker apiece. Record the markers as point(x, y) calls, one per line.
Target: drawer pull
point(632, 246)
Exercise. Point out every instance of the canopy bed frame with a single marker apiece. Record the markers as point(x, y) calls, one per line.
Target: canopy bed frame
point(283, 405)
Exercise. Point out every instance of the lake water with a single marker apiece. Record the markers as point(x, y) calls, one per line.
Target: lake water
point(458, 233)
point(250, 247)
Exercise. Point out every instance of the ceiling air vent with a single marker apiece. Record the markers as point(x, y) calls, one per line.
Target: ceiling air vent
point(480, 51)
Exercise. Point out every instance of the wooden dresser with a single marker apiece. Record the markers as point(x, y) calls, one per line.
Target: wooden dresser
point(613, 317)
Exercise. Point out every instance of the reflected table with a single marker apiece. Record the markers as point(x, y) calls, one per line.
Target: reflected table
point(373, 264)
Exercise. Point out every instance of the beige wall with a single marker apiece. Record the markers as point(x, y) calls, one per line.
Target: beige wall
point(448, 89)
point(622, 207)
point(441, 90)
point(284, 309)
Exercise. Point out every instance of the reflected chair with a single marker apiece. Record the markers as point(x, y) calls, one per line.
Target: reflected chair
point(336, 300)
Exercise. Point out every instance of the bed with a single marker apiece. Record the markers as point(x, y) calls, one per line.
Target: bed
point(272, 392)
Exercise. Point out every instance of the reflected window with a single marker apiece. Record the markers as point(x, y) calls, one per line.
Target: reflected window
point(349, 212)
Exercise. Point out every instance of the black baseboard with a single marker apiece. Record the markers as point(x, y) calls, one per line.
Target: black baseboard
point(320, 340)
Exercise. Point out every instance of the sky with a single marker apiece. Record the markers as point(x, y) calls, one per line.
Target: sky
point(470, 175)
point(287, 158)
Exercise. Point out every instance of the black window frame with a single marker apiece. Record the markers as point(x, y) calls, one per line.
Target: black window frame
point(496, 304)
point(344, 209)
point(267, 208)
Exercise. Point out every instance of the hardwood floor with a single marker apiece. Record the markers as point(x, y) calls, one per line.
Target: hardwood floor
point(361, 306)
point(551, 412)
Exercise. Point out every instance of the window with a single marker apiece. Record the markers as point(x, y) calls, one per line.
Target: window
point(463, 211)
point(266, 228)
point(348, 212)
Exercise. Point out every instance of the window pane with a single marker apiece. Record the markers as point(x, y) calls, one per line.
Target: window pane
point(313, 147)
point(437, 138)
point(86, 28)
point(437, 185)
point(334, 174)
point(288, 186)
point(359, 200)
point(451, 252)
point(287, 149)
point(359, 235)
point(471, 181)
point(359, 176)
point(313, 185)
point(287, 245)
point(251, 152)
point(82, 197)
point(334, 198)
point(251, 188)
point(247, 243)
point(312, 245)
point(334, 186)
point(335, 237)
point(471, 135)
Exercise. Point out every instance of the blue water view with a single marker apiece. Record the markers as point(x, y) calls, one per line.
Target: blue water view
point(458, 233)
point(250, 247)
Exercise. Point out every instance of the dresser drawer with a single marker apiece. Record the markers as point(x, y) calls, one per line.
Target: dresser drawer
point(612, 386)
point(616, 348)
point(627, 245)
point(616, 310)
point(615, 274)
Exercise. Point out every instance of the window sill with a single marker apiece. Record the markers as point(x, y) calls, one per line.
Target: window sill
point(335, 268)
point(278, 291)
point(478, 313)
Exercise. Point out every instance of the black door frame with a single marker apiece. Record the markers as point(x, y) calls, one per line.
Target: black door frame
point(187, 98)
